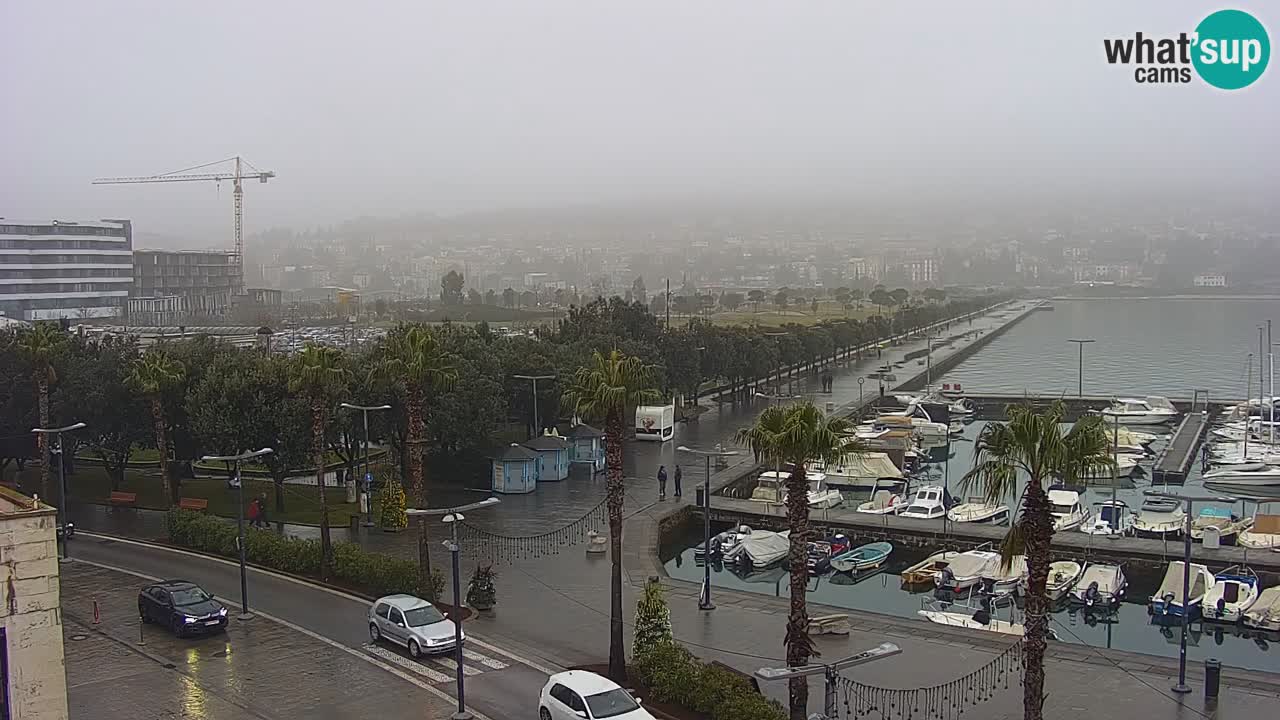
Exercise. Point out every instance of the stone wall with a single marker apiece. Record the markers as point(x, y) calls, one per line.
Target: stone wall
point(29, 609)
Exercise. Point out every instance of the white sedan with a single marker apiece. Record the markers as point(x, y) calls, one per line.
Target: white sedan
point(579, 694)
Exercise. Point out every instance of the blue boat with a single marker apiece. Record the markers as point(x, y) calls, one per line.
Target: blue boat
point(863, 557)
point(1167, 602)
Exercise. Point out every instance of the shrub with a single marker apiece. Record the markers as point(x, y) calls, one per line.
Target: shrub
point(354, 567)
point(480, 590)
point(673, 675)
point(653, 619)
point(391, 501)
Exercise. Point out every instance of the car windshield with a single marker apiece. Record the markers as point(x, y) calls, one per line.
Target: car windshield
point(611, 703)
point(425, 615)
point(189, 596)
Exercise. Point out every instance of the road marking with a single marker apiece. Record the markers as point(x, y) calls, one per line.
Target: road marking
point(484, 660)
point(434, 676)
point(451, 665)
point(471, 638)
point(313, 635)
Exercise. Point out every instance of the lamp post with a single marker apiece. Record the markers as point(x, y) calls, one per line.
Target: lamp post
point(537, 421)
point(64, 513)
point(1181, 687)
point(831, 671)
point(453, 516)
point(928, 368)
point(368, 475)
point(233, 463)
point(1081, 342)
point(704, 598)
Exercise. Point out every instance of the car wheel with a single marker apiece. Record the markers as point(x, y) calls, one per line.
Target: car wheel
point(415, 652)
point(544, 714)
point(374, 635)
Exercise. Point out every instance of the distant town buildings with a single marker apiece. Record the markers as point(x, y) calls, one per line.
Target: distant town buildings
point(203, 280)
point(57, 269)
point(1210, 280)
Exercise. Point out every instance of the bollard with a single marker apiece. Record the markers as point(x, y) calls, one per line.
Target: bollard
point(355, 524)
point(701, 497)
point(96, 617)
point(1212, 678)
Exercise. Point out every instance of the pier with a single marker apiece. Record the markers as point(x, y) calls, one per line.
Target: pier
point(1174, 462)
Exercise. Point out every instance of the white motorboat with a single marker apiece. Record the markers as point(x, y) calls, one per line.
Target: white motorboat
point(1234, 591)
point(966, 570)
point(1005, 580)
point(1160, 518)
point(1228, 524)
point(724, 542)
point(973, 621)
point(1067, 510)
point(1247, 475)
point(1151, 410)
point(865, 470)
point(883, 502)
point(1101, 585)
point(927, 569)
point(929, 503)
point(1112, 519)
point(978, 510)
point(1063, 575)
point(1265, 613)
point(1264, 534)
point(1128, 440)
point(771, 487)
point(760, 549)
point(1168, 599)
point(820, 495)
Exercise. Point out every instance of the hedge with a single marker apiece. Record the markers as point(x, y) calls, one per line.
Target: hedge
point(673, 675)
point(353, 567)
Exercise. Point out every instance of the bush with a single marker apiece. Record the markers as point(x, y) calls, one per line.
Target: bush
point(480, 590)
point(368, 572)
point(391, 500)
point(673, 675)
point(653, 619)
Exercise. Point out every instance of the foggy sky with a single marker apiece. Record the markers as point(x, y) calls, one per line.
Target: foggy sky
point(382, 108)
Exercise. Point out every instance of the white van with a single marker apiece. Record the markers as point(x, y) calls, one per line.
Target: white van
point(655, 422)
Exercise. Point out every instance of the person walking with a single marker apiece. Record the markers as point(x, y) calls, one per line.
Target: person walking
point(662, 482)
point(679, 475)
point(253, 513)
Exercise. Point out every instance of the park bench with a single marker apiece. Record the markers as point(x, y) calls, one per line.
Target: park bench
point(200, 504)
point(123, 498)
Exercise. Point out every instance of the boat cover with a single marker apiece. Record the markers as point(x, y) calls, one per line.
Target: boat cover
point(869, 465)
point(1172, 583)
point(765, 547)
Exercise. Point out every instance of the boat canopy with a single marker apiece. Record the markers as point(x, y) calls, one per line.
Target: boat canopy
point(869, 465)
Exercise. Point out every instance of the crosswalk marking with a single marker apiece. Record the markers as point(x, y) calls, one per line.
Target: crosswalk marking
point(484, 660)
point(407, 664)
point(448, 664)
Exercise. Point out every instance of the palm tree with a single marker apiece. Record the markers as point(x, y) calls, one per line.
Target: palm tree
point(1033, 446)
point(40, 345)
point(799, 435)
point(319, 373)
point(153, 375)
point(606, 388)
point(413, 358)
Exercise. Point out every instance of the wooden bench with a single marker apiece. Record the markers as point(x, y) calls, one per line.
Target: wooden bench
point(199, 504)
point(123, 498)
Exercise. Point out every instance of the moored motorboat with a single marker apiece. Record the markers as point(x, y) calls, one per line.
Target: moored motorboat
point(925, 571)
point(1151, 410)
point(1234, 591)
point(1264, 534)
point(1227, 524)
point(1004, 579)
point(1168, 599)
point(760, 549)
point(1160, 518)
point(1245, 476)
point(1112, 519)
point(1101, 586)
point(978, 510)
point(1067, 510)
point(929, 503)
point(1063, 575)
point(723, 542)
point(1265, 613)
point(865, 557)
point(966, 570)
point(883, 502)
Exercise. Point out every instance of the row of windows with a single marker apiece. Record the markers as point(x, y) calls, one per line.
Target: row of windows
point(8, 289)
point(61, 272)
point(25, 244)
point(14, 308)
point(60, 230)
point(68, 258)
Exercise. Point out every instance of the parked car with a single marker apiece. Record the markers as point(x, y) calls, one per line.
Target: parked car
point(578, 694)
point(182, 606)
point(412, 622)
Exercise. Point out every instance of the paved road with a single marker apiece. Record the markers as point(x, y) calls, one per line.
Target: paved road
point(502, 682)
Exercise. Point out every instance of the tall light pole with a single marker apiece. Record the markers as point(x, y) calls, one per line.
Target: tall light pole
point(830, 707)
point(928, 368)
point(368, 476)
point(64, 512)
point(537, 421)
point(233, 463)
point(1081, 342)
point(453, 516)
point(704, 598)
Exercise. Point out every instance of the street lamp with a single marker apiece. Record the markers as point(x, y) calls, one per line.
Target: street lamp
point(453, 516)
point(233, 462)
point(1181, 687)
point(64, 512)
point(537, 421)
point(928, 368)
point(831, 671)
point(1081, 342)
point(368, 475)
point(704, 599)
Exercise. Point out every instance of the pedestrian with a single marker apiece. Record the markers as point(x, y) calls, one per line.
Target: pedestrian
point(262, 510)
point(253, 512)
point(679, 475)
point(662, 482)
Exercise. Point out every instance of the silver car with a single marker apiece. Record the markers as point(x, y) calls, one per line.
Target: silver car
point(412, 622)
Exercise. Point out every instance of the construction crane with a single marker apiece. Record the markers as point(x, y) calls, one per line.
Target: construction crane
point(235, 176)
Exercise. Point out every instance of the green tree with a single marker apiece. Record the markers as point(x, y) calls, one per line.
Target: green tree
point(899, 296)
point(153, 375)
point(731, 300)
point(320, 374)
point(934, 295)
point(605, 388)
point(391, 507)
point(451, 288)
point(93, 390)
point(881, 298)
point(797, 436)
point(1033, 446)
point(40, 346)
point(755, 297)
point(509, 298)
point(653, 620)
point(780, 299)
point(474, 297)
point(413, 359)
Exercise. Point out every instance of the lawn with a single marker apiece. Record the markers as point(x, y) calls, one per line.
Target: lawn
point(302, 503)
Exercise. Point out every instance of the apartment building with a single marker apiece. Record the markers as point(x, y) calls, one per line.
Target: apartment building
point(58, 269)
point(204, 279)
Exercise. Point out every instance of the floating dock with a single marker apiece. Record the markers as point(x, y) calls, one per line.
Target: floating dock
point(1174, 462)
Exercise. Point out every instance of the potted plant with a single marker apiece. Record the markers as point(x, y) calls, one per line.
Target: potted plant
point(481, 593)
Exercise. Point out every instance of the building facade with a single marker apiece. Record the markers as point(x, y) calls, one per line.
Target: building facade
point(65, 270)
point(34, 682)
point(1210, 280)
point(204, 279)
